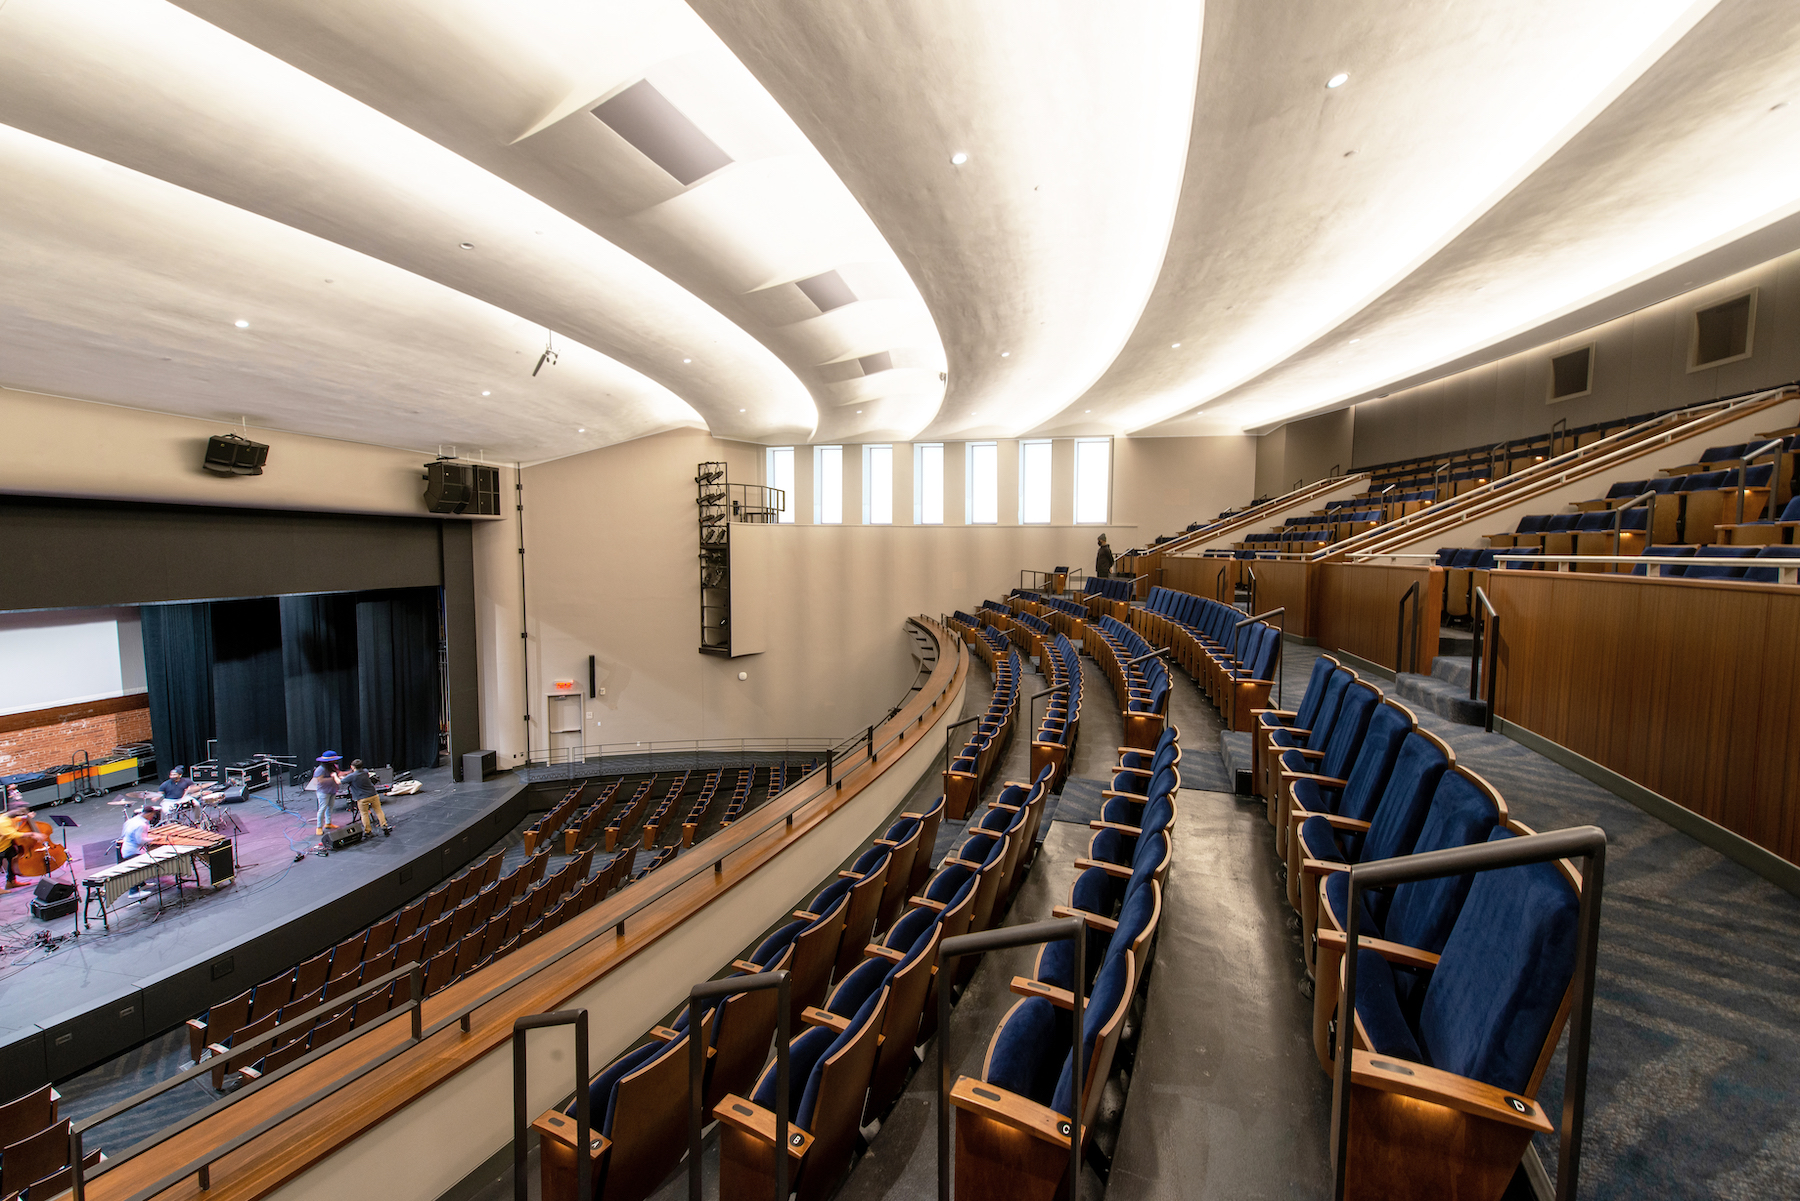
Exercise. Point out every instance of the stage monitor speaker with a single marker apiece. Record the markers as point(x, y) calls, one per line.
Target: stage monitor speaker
point(53, 890)
point(348, 836)
point(228, 454)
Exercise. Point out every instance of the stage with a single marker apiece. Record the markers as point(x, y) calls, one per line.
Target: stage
point(84, 999)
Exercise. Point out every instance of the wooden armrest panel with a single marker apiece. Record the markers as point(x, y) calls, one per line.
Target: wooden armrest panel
point(1121, 871)
point(928, 903)
point(1393, 952)
point(1062, 998)
point(887, 953)
point(759, 1123)
point(1408, 1079)
point(748, 968)
point(1093, 919)
point(1134, 831)
point(664, 1034)
point(812, 1015)
point(1350, 824)
point(560, 1127)
point(1010, 1109)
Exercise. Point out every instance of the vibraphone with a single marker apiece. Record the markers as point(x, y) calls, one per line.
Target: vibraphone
point(175, 851)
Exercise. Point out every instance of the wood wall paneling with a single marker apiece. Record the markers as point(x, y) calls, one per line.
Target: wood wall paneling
point(1690, 688)
point(1286, 583)
point(1357, 609)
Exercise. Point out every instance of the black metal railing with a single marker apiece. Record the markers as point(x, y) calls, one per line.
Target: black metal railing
point(1485, 669)
point(1587, 843)
point(1031, 934)
point(730, 986)
point(1401, 642)
point(584, 1119)
point(1280, 642)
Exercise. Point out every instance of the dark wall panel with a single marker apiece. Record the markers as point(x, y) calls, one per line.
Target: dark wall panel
point(318, 656)
point(249, 697)
point(464, 683)
point(71, 553)
point(178, 655)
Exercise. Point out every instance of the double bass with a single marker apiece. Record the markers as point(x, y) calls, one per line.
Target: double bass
point(38, 855)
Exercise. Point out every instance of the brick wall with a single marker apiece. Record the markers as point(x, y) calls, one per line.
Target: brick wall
point(48, 737)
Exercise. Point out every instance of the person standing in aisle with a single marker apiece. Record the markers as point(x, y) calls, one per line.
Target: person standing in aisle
point(1103, 559)
point(325, 782)
point(366, 798)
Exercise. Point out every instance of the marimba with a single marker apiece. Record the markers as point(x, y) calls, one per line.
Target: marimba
point(174, 851)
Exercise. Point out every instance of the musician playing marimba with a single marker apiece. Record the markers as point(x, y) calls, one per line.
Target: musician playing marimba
point(137, 837)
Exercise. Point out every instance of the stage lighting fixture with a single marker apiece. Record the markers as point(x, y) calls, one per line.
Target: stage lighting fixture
point(229, 454)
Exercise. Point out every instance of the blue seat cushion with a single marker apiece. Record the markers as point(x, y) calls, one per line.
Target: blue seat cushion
point(1021, 1058)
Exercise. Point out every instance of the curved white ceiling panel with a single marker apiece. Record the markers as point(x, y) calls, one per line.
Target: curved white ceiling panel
point(1702, 150)
point(523, 88)
point(141, 83)
point(1305, 202)
point(332, 342)
point(1037, 253)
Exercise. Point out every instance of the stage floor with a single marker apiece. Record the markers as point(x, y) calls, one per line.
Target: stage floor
point(45, 984)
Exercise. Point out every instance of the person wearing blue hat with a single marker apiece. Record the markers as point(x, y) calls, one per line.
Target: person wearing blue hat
point(325, 783)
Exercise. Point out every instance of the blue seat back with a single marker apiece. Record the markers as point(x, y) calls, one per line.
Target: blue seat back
point(1328, 710)
point(1401, 811)
point(1719, 552)
point(1421, 913)
point(1769, 575)
point(1496, 992)
point(1387, 730)
point(1353, 716)
point(1315, 692)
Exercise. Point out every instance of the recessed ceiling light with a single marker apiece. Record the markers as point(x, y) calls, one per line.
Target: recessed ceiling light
point(468, 245)
point(859, 412)
point(1174, 346)
point(582, 430)
point(687, 360)
point(487, 393)
point(740, 410)
point(1354, 341)
point(242, 324)
point(1087, 410)
point(1006, 354)
point(958, 159)
point(1338, 80)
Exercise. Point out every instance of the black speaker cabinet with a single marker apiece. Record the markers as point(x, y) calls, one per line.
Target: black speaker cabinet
point(348, 836)
point(53, 890)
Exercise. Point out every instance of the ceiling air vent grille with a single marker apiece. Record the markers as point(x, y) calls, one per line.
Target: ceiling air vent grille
point(1572, 374)
point(1722, 333)
point(644, 117)
point(827, 291)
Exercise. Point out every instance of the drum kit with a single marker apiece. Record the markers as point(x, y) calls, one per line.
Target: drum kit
point(200, 810)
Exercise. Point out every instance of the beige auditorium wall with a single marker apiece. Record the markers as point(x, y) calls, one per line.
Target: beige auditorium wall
point(1640, 365)
point(1304, 451)
point(611, 571)
point(53, 446)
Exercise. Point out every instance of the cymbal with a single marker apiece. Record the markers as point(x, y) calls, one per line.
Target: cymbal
point(124, 802)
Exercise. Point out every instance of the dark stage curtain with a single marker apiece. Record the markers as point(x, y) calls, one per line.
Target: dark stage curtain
point(249, 695)
point(318, 660)
point(397, 637)
point(178, 655)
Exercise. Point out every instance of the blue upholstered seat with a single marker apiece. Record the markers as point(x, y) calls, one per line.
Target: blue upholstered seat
point(1375, 756)
point(1024, 1058)
point(1319, 732)
point(1487, 1008)
point(1664, 552)
point(1399, 812)
point(1352, 719)
point(1708, 572)
point(1770, 575)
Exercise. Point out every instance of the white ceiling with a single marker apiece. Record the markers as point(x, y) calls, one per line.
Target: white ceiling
point(1137, 175)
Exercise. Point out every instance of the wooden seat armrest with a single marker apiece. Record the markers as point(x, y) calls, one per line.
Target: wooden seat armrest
point(847, 874)
point(1322, 867)
point(1139, 797)
point(804, 916)
point(748, 968)
point(218, 1048)
point(1393, 952)
point(953, 861)
point(887, 953)
point(1093, 919)
point(1323, 781)
point(1304, 752)
point(752, 1119)
point(664, 1034)
point(1134, 831)
point(1350, 824)
point(889, 843)
point(1255, 713)
point(812, 1015)
point(1243, 680)
point(1408, 1079)
point(1120, 870)
point(1133, 771)
point(249, 1073)
point(560, 1127)
point(1010, 1109)
point(927, 902)
point(1062, 998)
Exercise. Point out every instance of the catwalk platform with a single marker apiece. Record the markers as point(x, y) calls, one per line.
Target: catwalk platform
point(82, 999)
